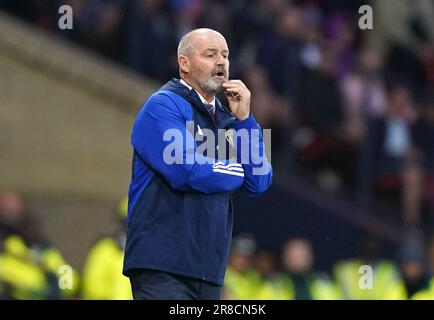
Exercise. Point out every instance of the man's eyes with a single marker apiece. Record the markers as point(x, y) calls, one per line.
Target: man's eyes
point(211, 55)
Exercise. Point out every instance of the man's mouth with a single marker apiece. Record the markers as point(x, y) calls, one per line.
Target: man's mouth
point(220, 74)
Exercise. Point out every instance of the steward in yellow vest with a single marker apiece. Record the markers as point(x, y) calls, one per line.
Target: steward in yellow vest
point(299, 281)
point(34, 270)
point(102, 274)
point(241, 279)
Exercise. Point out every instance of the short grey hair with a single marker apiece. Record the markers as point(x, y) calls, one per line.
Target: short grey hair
point(184, 46)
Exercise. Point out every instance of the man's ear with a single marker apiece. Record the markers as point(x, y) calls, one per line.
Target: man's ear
point(184, 63)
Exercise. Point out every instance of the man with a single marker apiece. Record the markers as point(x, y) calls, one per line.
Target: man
point(30, 265)
point(102, 278)
point(300, 281)
point(386, 282)
point(180, 212)
point(241, 280)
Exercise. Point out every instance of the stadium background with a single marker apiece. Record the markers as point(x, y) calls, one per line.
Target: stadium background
point(351, 113)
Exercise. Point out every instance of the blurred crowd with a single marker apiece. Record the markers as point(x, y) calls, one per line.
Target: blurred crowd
point(32, 268)
point(255, 274)
point(351, 110)
point(29, 265)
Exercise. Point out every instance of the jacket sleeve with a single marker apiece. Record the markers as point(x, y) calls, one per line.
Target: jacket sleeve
point(250, 150)
point(161, 138)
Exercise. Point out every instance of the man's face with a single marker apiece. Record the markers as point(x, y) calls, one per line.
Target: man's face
point(209, 64)
point(297, 256)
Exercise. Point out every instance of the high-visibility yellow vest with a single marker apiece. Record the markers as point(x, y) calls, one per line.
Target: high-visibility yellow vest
point(33, 273)
point(386, 282)
point(275, 288)
point(241, 286)
point(427, 294)
point(102, 274)
point(282, 288)
point(323, 288)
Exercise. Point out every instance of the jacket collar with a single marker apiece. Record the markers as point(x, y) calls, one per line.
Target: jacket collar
point(223, 116)
point(200, 96)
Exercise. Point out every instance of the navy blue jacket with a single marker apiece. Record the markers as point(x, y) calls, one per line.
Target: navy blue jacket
point(180, 215)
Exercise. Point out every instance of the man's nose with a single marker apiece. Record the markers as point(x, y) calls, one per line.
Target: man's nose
point(221, 61)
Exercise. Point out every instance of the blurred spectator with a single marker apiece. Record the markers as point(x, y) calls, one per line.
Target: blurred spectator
point(99, 26)
point(386, 283)
point(253, 18)
point(299, 279)
point(186, 15)
point(428, 293)
point(397, 164)
point(430, 254)
point(219, 16)
point(31, 268)
point(325, 153)
point(274, 115)
point(102, 274)
point(270, 115)
point(413, 268)
point(423, 137)
point(278, 51)
point(364, 99)
point(241, 280)
point(404, 35)
point(322, 111)
point(340, 36)
point(363, 94)
point(270, 286)
point(426, 54)
point(401, 23)
point(151, 42)
point(11, 213)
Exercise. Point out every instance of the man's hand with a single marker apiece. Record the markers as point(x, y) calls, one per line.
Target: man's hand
point(239, 98)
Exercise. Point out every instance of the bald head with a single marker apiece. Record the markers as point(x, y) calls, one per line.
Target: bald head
point(203, 59)
point(190, 41)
